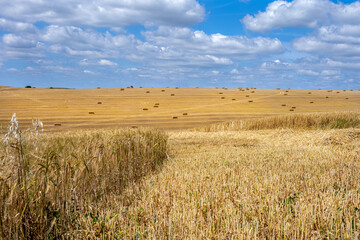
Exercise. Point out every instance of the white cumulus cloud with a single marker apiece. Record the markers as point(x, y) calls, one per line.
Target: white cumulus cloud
point(14, 41)
point(302, 14)
point(214, 44)
point(333, 40)
point(105, 62)
point(105, 13)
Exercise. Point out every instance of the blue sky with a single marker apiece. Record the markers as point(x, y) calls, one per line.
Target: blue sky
point(186, 43)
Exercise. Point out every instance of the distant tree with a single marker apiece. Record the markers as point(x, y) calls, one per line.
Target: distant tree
point(51, 87)
point(28, 86)
point(131, 86)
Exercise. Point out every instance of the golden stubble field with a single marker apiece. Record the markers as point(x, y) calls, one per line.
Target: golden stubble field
point(296, 176)
point(162, 107)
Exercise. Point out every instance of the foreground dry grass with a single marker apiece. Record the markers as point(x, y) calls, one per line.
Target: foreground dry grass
point(49, 186)
point(250, 184)
point(246, 185)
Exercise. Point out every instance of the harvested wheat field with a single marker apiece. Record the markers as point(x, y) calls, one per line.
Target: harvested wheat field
point(227, 169)
point(80, 108)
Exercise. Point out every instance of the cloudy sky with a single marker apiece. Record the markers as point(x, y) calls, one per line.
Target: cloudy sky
point(186, 43)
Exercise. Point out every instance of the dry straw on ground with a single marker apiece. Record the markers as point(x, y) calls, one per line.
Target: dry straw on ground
point(295, 176)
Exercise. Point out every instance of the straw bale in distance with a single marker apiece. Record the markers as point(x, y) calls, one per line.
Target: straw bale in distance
point(185, 114)
point(91, 112)
point(99, 103)
point(145, 109)
point(57, 124)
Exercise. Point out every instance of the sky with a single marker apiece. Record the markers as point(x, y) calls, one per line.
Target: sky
point(299, 44)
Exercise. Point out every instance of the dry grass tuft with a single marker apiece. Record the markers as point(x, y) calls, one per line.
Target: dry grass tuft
point(55, 188)
point(334, 120)
point(91, 112)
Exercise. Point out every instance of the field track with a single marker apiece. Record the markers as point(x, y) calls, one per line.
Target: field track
point(81, 108)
